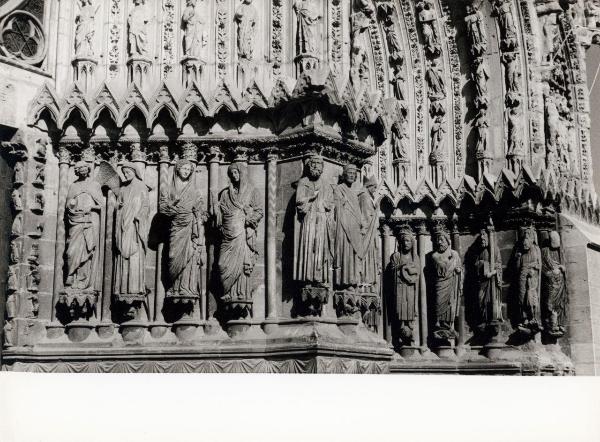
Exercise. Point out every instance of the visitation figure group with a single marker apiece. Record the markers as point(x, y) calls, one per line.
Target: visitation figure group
point(235, 212)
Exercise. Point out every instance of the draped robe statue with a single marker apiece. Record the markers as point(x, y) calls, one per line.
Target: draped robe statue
point(476, 30)
point(350, 228)
point(488, 268)
point(370, 212)
point(315, 208)
point(237, 214)
point(82, 213)
point(184, 206)
point(246, 16)
point(406, 267)
point(528, 263)
point(308, 17)
point(138, 30)
point(131, 235)
point(193, 37)
point(85, 29)
point(446, 278)
point(554, 287)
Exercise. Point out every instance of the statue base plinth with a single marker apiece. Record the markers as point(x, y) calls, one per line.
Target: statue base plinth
point(348, 326)
point(494, 350)
point(445, 352)
point(158, 329)
point(79, 331)
point(55, 330)
point(105, 330)
point(133, 331)
point(270, 325)
point(310, 301)
point(187, 330)
point(410, 352)
point(238, 328)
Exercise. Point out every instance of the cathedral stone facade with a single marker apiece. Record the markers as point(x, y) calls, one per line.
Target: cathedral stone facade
point(340, 186)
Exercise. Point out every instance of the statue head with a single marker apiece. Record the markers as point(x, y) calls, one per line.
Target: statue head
point(82, 169)
point(406, 239)
point(554, 240)
point(139, 2)
point(349, 174)
point(442, 241)
point(235, 173)
point(130, 172)
point(314, 167)
point(528, 238)
point(192, 3)
point(484, 238)
point(371, 185)
point(184, 169)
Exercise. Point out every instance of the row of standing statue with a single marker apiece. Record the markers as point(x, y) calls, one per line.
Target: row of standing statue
point(538, 288)
point(235, 213)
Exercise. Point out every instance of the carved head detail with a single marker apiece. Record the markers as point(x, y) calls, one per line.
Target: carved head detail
point(236, 173)
point(314, 167)
point(442, 241)
point(406, 241)
point(528, 239)
point(350, 174)
point(192, 3)
point(484, 239)
point(184, 169)
point(371, 185)
point(82, 169)
point(130, 172)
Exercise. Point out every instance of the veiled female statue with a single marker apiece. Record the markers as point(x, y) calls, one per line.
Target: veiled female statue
point(85, 28)
point(138, 29)
point(406, 267)
point(184, 206)
point(554, 287)
point(193, 36)
point(131, 236)
point(445, 272)
point(488, 267)
point(237, 214)
point(246, 16)
point(315, 207)
point(308, 16)
point(82, 214)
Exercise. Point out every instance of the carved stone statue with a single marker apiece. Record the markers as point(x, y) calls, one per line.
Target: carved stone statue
point(194, 37)
point(398, 82)
point(17, 200)
point(85, 29)
point(138, 29)
point(427, 17)
point(400, 146)
point(516, 150)
point(504, 10)
point(315, 207)
point(82, 214)
point(481, 76)
point(445, 276)
point(435, 80)
point(307, 36)
point(237, 215)
point(40, 175)
point(131, 241)
point(528, 264)
point(359, 69)
point(437, 157)
point(350, 228)
point(476, 30)
point(369, 206)
point(481, 129)
point(19, 173)
point(406, 265)
point(390, 24)
point(512, 76)
point(183, 204)
point(554, 287)
point(488, 268)
point(246, 17)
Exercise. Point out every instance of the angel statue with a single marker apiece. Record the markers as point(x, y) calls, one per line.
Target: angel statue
point(131, 236)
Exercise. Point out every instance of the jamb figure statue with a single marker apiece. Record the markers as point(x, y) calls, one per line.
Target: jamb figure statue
point(528, 264)
point(313, 257)
point(349, 245)
point(237, 215)
point(184, 206)
point(445, 276)
point(554, 287)
point(488, 268)
point(131, 238)
point(307, 36)
point(371, 270)
point(406, 267)
point(82, 216)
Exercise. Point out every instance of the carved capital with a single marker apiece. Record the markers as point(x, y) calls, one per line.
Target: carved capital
point(64, 155)
point(189, 151)
point(163, 154)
